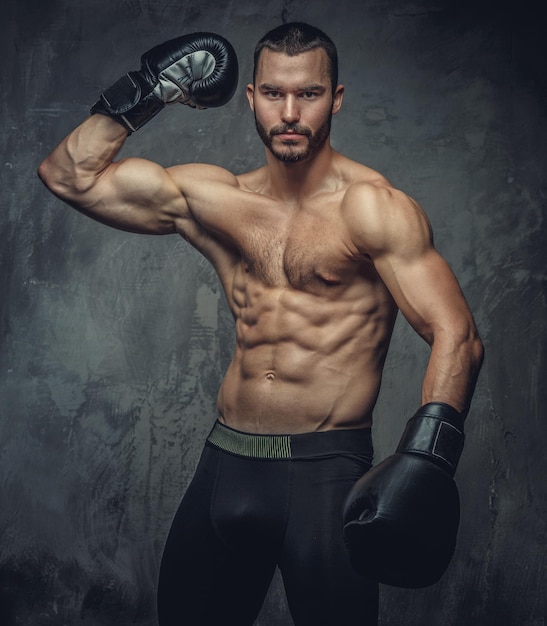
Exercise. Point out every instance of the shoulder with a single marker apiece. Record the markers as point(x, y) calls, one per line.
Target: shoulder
point(205, 187)
point(193, 174)
point(381, 218)
point(196, 180)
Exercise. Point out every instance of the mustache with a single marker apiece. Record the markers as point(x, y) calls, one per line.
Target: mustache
point(287, 128)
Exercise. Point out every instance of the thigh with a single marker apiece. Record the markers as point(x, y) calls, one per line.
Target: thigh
point(321, 585)
point(203, 580)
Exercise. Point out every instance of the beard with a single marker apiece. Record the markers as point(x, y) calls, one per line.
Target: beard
point(291, 153)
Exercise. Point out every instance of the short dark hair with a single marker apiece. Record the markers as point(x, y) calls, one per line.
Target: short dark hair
point(294, 38)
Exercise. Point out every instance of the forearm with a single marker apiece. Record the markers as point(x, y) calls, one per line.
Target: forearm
point(453, 369)
point(73, 167)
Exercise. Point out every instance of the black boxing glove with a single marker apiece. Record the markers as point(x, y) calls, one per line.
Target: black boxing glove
point(401, 518)
point(200, 70)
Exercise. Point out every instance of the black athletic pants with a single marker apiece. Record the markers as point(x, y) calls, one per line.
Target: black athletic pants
point(261, 501)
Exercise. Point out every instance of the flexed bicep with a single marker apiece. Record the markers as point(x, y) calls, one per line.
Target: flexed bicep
point(131, 194)
point(138, 196)
point(199, 70)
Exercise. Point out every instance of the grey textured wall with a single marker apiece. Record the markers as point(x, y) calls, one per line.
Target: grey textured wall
point(113, 345)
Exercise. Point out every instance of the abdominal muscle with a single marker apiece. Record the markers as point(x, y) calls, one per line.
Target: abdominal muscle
point(305, 362)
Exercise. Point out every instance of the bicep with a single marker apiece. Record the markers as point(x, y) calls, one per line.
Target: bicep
point(395, 232)
point(135, 195)
point(427, 293)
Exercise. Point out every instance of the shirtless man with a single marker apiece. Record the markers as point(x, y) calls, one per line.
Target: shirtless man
point(316, 254)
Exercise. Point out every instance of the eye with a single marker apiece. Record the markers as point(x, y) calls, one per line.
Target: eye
point(309, 95)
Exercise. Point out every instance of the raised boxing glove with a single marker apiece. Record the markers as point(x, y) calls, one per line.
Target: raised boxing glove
point(401, 518)
point(200, 70)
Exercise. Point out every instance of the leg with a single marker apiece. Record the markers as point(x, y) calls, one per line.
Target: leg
point(321, 586)
point(204, 581)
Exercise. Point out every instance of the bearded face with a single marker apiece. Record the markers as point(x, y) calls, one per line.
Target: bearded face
point(305, 142)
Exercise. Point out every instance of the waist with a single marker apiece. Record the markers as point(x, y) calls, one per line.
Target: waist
point(297, 446)
point(318, 403)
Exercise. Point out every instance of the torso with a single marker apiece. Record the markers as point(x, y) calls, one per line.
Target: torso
point(313, 318)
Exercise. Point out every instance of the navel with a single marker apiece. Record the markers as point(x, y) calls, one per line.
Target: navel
point(270, 375)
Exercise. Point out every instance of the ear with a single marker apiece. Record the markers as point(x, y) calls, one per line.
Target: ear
point(251, 96)
point(337, 99)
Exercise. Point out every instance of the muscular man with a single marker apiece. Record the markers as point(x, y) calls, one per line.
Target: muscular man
point(316, 254)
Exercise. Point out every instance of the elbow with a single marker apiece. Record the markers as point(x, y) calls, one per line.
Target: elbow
point(465, 345)
point(476, 352)
point(473, 361)
point(471, 357)
point(480, 353)
point(471, 346)
point(63, 182)
point(51, 177)
point(44, 172)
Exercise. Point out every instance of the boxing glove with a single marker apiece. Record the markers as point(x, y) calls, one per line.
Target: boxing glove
point(200, 70)
point(401, 518)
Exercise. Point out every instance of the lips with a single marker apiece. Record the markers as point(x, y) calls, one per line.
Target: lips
point(290, 136)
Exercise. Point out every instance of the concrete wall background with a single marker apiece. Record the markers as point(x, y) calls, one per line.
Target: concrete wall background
point(113, 345)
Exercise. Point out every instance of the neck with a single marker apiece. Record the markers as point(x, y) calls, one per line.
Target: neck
point(295, 181)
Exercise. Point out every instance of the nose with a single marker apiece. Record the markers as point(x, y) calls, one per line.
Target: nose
point(290, 112)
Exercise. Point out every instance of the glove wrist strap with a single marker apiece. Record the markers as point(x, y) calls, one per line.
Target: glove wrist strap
point(436, 432)
point(125, 102)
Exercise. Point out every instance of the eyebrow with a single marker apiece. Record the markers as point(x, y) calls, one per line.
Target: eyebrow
point(312, 87)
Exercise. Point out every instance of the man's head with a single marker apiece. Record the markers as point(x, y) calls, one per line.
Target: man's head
point(295, 38)
point(294, 91)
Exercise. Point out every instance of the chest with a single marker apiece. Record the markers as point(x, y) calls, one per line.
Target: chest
point(308, 249)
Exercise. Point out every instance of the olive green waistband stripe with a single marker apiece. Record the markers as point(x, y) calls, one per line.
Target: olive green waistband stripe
point(300, 446)
point(246, 444)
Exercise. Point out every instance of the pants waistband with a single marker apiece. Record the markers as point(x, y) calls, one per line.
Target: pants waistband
point(299, 446)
